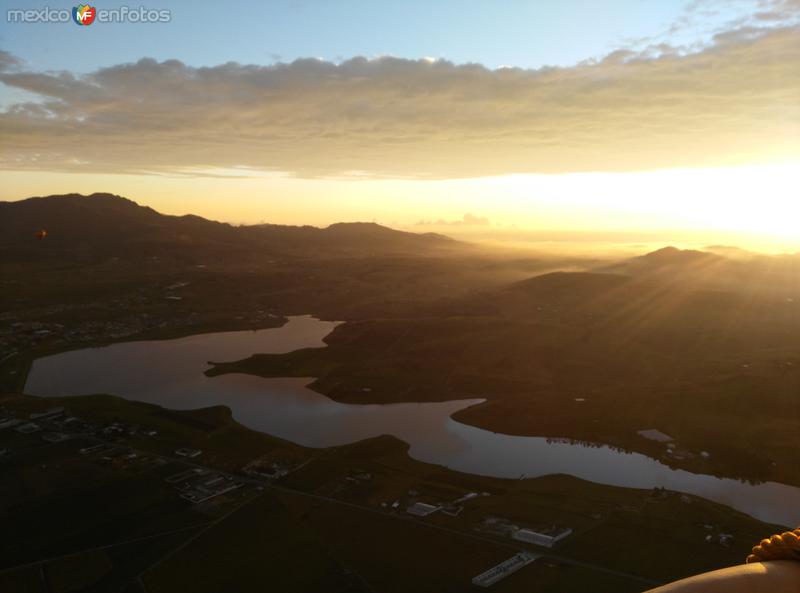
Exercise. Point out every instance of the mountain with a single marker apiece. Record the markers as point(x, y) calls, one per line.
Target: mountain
point(730, 251)
point(569, 286)
point(716, 268)
point(101, 225)
point(348, 238)
point(668, 259)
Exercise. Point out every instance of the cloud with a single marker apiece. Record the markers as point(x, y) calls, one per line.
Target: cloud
point(784, 10)
point(8, 61)
point(733, 102)
point(467, 220)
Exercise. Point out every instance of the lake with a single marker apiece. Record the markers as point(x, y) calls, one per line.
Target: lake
point(170, 373)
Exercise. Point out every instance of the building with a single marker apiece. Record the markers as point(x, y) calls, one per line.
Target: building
point(504, 569)
point(55, 437)
point(206, 487)
point(47, 414)
point(655, 435)
point(28, 428)
point(544, 537)
point(100, 448)
point(421, 509)
point(186, 452)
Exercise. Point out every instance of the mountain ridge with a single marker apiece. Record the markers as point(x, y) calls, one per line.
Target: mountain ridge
point(104, 224)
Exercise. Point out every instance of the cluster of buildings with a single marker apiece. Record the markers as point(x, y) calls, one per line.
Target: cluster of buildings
point(195, 485)
point(57, 425)
point(121, 457)
point(271, 470)
point(723, 539)
point(19, 336)
point(453, 508)
point(544, 535)
point(547, 536)
point(200, 484)
point(715, 536)
point(54, 421)
point(672, 450)
point(23, 335)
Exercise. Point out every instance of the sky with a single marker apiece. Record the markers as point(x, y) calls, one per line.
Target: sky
point(575, 115)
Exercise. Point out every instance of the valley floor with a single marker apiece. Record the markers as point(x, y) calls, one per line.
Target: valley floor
point(101, 520)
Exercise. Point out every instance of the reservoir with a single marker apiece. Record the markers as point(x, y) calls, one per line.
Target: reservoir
point(170, 373)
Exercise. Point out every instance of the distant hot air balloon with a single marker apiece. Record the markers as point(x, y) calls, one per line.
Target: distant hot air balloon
point(41, 234)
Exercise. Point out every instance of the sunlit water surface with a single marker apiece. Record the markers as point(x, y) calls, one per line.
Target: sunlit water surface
point(170, 373)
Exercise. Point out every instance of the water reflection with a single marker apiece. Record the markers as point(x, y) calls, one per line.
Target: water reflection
point(170, 373)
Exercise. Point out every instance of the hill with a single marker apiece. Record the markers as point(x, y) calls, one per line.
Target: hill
point(348, 239)
point(102, 250)
point(718, 268)
point(671, 260)
point(101, 225)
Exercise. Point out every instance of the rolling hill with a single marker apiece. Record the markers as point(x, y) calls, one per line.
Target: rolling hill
point(100, 226)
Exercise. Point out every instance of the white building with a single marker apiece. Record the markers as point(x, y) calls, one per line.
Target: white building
point(655, 435)
point(547, 539)
point(502, 570)
point(186, 452)
point(421, 509)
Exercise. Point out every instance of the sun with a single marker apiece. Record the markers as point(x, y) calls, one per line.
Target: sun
point(758, 199)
